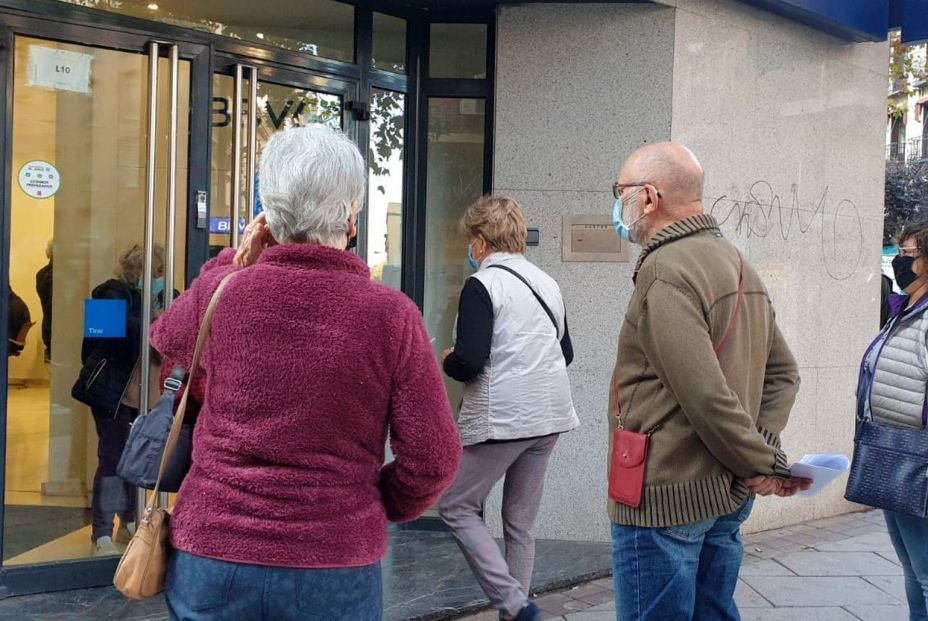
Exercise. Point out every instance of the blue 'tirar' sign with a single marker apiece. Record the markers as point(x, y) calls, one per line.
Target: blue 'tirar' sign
point(105, 319)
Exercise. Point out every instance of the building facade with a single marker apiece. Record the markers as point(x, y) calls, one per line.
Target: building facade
point(139, 123)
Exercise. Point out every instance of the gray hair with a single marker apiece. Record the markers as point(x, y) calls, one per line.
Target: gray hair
point(130, 265)
point(310, 176)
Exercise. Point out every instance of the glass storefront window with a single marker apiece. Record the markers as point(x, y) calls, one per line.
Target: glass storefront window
point(389, 43)
point(319, 27)
point(458, 51)
point(385, 188)
point(455, 180)
point(79, 161)
point(279, 107)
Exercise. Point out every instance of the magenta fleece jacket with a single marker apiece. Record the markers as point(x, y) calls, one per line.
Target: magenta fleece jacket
point(309, 368)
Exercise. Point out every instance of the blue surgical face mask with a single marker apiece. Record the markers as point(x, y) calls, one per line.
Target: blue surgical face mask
point(618, 220)
point(157, 286)
point(474, 264)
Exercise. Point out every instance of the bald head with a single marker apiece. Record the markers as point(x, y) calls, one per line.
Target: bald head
point(672, 169)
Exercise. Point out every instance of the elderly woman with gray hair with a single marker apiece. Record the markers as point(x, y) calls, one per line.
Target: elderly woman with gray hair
point(308, 367)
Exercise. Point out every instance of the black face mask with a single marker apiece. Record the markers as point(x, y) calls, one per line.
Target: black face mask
point(352, 243)
point(902, 270)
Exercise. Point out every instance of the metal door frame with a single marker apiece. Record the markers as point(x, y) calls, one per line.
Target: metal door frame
point(88, 572)
point(240, 69)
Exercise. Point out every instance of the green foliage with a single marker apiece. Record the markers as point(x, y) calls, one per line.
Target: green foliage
point(906, 198)
point(904, 70)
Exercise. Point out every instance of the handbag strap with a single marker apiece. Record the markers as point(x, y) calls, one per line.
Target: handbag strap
point(721, 346)
point(535, 293)
point(202, 335)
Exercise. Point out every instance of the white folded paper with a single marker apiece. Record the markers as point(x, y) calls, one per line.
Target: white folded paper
point(821, 469)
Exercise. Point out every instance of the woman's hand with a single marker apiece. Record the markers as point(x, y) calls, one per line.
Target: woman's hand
point(256, 238)
point(446, 353)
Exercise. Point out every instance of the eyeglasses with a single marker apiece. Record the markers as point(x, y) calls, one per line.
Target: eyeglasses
point(618, 188)
point(909, 251)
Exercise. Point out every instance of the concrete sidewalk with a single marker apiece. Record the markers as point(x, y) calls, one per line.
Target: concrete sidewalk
point(838, 569)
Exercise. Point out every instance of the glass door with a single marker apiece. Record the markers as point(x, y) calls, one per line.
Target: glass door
point(246, 112)
point(100, 169)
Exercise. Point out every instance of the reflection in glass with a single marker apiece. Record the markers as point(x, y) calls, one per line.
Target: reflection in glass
point(61, 491)
point(319, 27)
point(279, 107)
point(458, 51)
point(389, 43)
point(385, 188)
point(455, 180)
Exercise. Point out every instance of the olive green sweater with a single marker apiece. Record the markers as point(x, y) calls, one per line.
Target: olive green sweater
point(720, 417)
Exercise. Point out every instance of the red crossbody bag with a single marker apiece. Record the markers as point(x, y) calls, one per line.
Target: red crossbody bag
point(630, 448)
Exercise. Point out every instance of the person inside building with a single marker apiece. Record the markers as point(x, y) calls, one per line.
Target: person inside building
point(116, 359)
point(44, 287)
point(511, 351)
point(704, 374)
point(18, 324)
point(308, 368)
point(892, 392)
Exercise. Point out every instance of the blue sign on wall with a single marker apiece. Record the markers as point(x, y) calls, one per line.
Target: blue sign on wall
point(912, 17)
point(859, 20)
point(105, 319)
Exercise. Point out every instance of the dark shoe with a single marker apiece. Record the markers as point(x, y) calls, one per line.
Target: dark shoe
point(529, 612)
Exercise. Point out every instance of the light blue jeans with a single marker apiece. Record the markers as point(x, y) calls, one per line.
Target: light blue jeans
point(202, 589)
point(910, 538)
point(679, 572)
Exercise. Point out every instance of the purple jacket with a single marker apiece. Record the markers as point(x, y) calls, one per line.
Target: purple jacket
point(308, 366)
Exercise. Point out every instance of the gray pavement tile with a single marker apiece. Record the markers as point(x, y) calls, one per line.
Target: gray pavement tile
point(894, 585)
point(891, 557)
point(608, 606)
point(880, 613)
point(797, 614)
point(606, 583)
point(812, 563)
point(591, 616)
point(763, 567)
point(816, 591)
point(592, 594)
point(746, 597)
point(561, 604)
point(872, 542)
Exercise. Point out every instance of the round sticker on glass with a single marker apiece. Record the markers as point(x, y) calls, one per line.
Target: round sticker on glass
point(39, 179)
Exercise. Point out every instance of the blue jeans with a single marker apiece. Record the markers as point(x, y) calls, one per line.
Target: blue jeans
point(910, 538)
point(679, 572)
point(202, 589)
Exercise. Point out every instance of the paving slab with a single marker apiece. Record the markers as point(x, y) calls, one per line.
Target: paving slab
point(871, 542)
point(797, 614)
point(880, 613)
point(763, 567)
point(813, 563)
point(591, 616)
point(746, 597)
point(817, 591)
point(894, 585)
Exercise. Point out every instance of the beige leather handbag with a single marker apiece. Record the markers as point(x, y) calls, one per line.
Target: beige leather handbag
point(142, 570)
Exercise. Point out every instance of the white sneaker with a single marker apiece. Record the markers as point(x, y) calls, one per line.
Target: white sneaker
point(124, 533)
point(104, 547)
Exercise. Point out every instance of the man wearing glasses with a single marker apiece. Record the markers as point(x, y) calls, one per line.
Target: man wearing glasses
point(705, 374)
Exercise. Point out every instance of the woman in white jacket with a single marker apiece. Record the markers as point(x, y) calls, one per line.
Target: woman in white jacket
point(511, 351)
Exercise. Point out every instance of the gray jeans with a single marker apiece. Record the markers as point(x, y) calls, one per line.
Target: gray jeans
point(505, 579)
